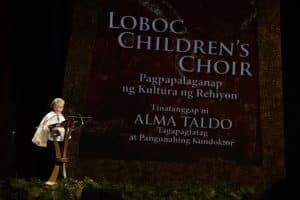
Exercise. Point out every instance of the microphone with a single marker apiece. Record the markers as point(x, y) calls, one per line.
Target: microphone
point(81, 119)
point(78, 116)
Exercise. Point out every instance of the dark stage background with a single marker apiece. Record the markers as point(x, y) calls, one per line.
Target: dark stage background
point(33, 46)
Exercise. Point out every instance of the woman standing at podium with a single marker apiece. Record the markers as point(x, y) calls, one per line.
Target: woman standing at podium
point(43, 140)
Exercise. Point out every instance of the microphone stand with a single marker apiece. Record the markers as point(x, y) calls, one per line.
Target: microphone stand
point(81, 119)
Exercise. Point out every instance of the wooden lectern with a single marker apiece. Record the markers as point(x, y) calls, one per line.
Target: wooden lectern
point(70, 125)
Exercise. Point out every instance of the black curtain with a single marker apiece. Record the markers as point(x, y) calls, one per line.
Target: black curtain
point(290, 61)
point(38, 40)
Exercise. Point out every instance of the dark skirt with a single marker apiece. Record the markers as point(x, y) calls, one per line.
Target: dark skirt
point(44, 160)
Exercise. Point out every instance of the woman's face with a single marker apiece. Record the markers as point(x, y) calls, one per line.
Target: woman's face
point(59, 107)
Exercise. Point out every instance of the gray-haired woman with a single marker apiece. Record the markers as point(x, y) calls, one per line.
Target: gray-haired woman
point(43, 139)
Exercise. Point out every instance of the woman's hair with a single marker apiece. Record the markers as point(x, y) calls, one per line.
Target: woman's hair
point(56, 101)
